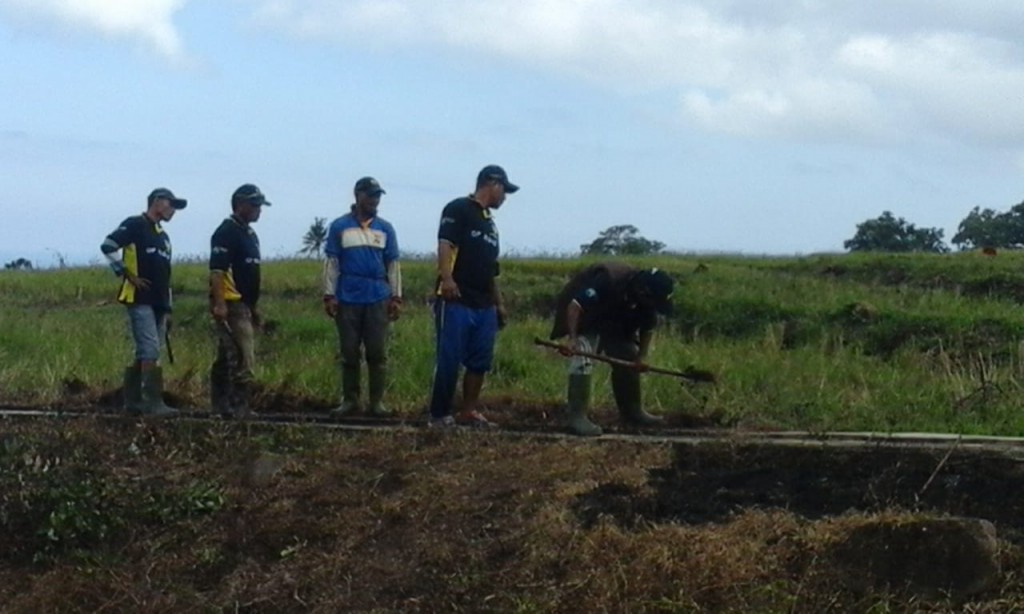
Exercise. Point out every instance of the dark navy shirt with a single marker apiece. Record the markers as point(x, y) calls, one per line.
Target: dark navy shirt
point(235, 251)
point(146, 252)
point(602, 291)
point(469, 227)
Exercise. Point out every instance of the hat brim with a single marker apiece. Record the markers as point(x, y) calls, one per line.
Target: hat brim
point(511, 188)
point(178, 203)
point(374, 192)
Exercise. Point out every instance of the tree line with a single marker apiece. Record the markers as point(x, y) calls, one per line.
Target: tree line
point(985, 229)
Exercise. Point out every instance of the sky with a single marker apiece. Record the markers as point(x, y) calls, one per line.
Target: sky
point(761, 128)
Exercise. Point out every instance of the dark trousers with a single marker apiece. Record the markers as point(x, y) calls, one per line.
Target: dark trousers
point(231, 374)
point(363, 329)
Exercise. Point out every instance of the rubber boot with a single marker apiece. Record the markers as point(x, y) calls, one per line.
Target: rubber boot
point(378, 376)
point(132, 391)
point(220, 393)
point(241, 409)
point(626, 389)
point(152, 395)
point(579, 406)
point(349, 391)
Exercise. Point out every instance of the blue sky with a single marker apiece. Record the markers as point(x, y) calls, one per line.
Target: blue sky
point(711, 125)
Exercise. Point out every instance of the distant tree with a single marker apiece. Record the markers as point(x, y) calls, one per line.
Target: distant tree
point(887, 233)
point(989, 228)
point(20, 264)
point(622, 240)
point(315, 238)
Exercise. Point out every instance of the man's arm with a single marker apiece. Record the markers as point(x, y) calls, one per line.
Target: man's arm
point(330, 285)
point(218, 306)
point(445, 266)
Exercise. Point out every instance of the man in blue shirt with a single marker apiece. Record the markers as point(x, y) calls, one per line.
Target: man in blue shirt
point(469, 309)
point(362, 294)
point(145, 271)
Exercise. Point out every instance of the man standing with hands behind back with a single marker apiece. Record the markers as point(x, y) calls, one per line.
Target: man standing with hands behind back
point(468, 311)
point(234, 296)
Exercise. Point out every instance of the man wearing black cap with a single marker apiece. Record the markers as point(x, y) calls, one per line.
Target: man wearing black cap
point(234, 296)
point(610, 308)
point(362, 294)
point(468, 310)
point(145, 271)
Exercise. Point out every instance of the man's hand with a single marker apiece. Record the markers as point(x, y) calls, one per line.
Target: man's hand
point(394, 308)
point(502, 316)
point(219, 310)
point(449, 289)
point(572, 347)
point(140, 283)
point(257, 318)
point(330, 306)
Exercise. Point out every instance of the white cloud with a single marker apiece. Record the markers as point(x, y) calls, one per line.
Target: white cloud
point(807, 69)
point(146, 21)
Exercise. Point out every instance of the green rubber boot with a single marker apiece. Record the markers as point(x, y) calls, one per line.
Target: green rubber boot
point(152, 395)
point(132, 391)
point(626, 389)
point(579, 406)
point(378, 376)
point(349, 391)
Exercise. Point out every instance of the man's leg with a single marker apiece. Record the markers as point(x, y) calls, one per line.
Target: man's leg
point(147, 325)
point(376, 330)
point(479, 359)
point(349, 322)
point(220, 370)
point(451, 321)
point(626, 382)
point(579, 391)
point(241, 368)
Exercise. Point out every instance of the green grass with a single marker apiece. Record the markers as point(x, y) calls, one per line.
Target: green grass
point(873, 342)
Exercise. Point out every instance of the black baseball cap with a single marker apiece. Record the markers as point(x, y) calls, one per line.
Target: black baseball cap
point(659, 285)
point(493, 172)
point(165, 194)
point(251, 193)
point(369, 185)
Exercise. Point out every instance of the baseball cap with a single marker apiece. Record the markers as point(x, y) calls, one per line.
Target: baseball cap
point(660, 286)
point(369, 185)
point(251, 193)
point(164, 193)
point(493, 172)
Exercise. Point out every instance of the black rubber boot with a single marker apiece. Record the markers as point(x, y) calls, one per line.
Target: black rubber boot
point(579, 405)
point(626, 389)
point(132, 391)
point(152, 395)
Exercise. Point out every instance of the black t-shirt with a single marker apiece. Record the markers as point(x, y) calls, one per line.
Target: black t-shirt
point(235, 251)
point(602, 290)
point(146, 252)
point(469, 227)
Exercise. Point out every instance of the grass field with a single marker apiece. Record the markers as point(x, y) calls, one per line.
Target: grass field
point(104, 514)
point(861, 342)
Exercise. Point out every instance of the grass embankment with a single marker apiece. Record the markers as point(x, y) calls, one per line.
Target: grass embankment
point(832, 342)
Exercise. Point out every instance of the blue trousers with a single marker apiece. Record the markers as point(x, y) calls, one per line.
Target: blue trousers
point(464, 336)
